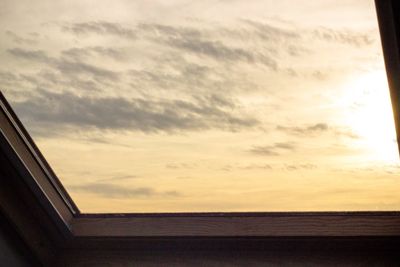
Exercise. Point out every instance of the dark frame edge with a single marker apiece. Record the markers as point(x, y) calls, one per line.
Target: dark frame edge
point(389, 20)
point(38, 156)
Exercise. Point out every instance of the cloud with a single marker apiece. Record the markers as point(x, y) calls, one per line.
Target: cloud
point(20, 40)
point(268, 32)
point(288, 146)
point(7, 78)
point(307, 130)
point(80, 53)
point(206, 43)
point(170, 31)
point(219, 51)
point(100, 28)
point(108, 190)
point(256, 166)
point(33, 55)
point(68, 109)
point(121, 177)
point(77, 68)
point(346, 133)
point(272, 150)
point(68, 68)
point(188, 77)
point(296, 167)
point(343, 36)
point(182, 165)
point(318, 128)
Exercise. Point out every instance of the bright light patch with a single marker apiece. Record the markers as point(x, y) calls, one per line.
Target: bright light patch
point(370, 116)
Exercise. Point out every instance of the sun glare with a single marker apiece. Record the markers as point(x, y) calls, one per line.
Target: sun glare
point(371, 116)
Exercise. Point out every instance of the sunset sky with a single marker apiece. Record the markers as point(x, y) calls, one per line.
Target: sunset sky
point(213, 105)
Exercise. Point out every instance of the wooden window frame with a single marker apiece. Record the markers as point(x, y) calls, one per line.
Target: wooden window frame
point(40, 196)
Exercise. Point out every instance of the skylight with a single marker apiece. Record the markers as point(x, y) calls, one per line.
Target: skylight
point(206, 106)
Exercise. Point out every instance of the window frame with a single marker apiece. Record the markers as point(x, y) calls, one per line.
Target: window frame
point(75, 229)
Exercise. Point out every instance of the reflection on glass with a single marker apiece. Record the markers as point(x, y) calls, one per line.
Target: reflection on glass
point(189, 106)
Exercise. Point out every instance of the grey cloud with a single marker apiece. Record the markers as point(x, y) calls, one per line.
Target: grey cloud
point(68, 109)
point(297, 50)
point(307, 130)
point(170, 31)
point(19, 39)
point(50, 79)
point(317, 128)
point(204, 42)
point(101, 28)
point(190, 78)
point(346, 133)
point(343, 36)
point(121, 177)
point(77, 68)
point(219, 51)
point(124, 177)
point(256, 166)
point(8, 78)
point(289, 146)
point(187, 76)
point(296, 167)
point(66, 67)
point(108, 190)
point(180, 165)
point(264, 150)
point(78, 54)
point(34, 55)
point(272, 150)
point(268, 32)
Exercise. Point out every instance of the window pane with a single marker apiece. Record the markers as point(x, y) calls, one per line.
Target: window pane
point(192, 106)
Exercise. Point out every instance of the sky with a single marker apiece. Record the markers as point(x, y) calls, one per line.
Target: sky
point(205, 106)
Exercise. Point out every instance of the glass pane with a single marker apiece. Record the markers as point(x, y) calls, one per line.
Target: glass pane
point(193, 106)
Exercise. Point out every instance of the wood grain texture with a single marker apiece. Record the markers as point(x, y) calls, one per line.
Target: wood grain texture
point(229, 225)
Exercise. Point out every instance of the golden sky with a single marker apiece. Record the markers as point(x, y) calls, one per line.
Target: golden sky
point(193, 106)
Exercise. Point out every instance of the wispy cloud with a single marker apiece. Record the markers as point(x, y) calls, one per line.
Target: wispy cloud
point(297, 167)
point(100, 28)
point(20, 39)
point(77, 68)
point(267, 32)
point(306, 130)
point(343, 36)
point(80, 53)
point(120, 177)
point(108, 190)
point(272, 150)
point(131, 114)
point(67, 67)
point(218, 51)
point(317, 129)
point(34, 55)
